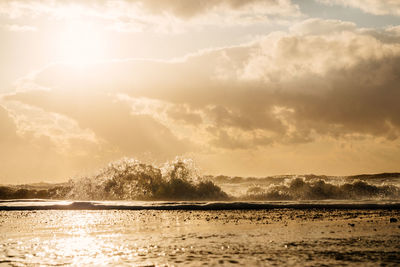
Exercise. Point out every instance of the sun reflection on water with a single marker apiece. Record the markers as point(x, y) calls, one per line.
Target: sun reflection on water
point(93, 238)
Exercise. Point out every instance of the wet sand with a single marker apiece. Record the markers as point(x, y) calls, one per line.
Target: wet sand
point(314, 237)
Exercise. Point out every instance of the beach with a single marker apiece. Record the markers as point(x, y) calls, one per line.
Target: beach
point(199, 133)
point(258, 237)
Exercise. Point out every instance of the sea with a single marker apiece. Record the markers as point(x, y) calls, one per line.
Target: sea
point(136, 214)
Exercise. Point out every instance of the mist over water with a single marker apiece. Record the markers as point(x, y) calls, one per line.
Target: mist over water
point(130, 179)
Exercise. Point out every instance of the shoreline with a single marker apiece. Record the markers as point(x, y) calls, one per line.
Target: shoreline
point(25, 205)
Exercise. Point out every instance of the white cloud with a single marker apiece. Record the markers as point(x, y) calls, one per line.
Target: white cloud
point(376, 7)
point(19, 28)
point(336, 82)
point(315, 26)
point(162, 16)
point(321, 84)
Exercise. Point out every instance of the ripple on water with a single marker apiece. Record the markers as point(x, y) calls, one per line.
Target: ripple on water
point(187, 238)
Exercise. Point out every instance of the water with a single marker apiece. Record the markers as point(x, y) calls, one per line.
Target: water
point(131, 213)
point(287, 237)
point(129, 179)
point(43, 204)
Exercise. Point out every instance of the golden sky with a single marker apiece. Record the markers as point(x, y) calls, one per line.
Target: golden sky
point(244, 87)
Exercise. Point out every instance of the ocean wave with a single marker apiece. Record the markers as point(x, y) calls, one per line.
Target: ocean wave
point(130, 179)
point(318, 189)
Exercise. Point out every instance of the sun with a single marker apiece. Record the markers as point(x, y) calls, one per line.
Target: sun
point(82, 43)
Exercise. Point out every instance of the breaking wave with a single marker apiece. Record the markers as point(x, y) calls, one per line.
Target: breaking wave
point(318, 189)
point(129, 179)
point(179, 180)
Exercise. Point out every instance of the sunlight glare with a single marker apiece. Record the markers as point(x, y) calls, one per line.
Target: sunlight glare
point(82, 43)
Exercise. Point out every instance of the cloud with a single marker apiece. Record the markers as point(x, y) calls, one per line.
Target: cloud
point(192, 8)
point(324, 85)
point(164, 16)
point(285, 88)
point(182, 113)
point(28, 154)
point(8, 130)
point(84, 136)
point(315, 26)
point(376, 7)
point(19, 28)
point(62, 131)
point(111, 120)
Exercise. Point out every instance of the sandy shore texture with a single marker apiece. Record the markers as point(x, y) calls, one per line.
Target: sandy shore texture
point(277, 237)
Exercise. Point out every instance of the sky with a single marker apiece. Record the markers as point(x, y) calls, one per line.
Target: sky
point(242, 87)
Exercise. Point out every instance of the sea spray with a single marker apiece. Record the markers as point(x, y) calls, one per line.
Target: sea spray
point(180, 179)
point(130, 179)
point(318, 189)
